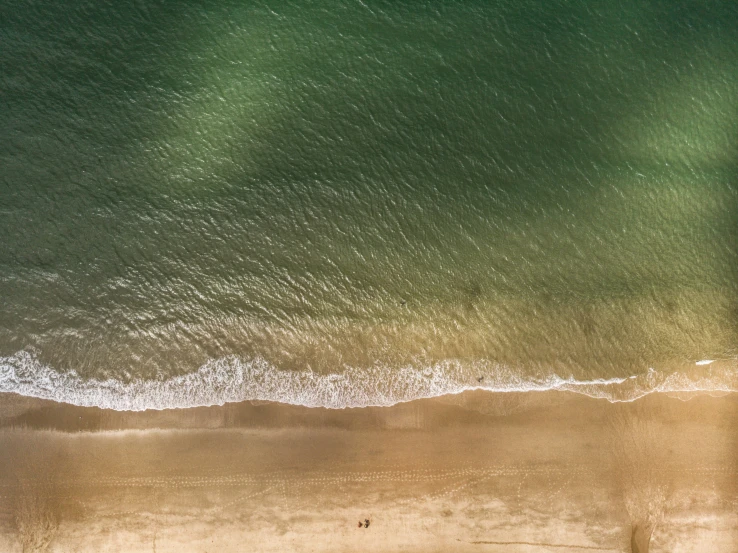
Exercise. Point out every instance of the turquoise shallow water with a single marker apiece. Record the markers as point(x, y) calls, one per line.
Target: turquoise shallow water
point(353, 203)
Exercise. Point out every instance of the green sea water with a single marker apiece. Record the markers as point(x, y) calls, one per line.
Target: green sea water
point(356, 202)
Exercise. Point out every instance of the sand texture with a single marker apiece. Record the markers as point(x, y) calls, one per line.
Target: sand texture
point(536, 472)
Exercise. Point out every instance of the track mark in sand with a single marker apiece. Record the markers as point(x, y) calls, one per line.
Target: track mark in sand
point(557, 492)
point(520, 485)
point(541, 544)
point(239, 499)
point(392, 473)
point(450, 490)
point(311, 478)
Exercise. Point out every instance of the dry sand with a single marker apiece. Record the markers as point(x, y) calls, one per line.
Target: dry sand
point(536, 472)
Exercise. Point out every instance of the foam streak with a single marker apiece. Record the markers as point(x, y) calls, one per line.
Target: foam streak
point(233, 379)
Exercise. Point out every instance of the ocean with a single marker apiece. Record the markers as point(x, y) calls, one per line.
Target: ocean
point(347, 203)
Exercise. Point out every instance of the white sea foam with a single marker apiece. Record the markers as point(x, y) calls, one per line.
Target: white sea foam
point(232, 379)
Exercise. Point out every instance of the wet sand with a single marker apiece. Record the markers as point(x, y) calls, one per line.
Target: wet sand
point(535, 472)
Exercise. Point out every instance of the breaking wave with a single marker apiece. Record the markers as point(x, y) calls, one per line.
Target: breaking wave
point(234, 379)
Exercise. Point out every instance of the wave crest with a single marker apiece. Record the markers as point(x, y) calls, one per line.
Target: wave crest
point(234, 379)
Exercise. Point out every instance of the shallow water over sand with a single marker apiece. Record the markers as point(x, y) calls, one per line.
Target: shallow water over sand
point(342, 203)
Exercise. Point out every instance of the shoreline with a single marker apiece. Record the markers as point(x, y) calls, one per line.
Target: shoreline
point(470, 407)
point(233, 380)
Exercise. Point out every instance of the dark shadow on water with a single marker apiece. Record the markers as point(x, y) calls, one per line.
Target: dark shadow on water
point(385, 120)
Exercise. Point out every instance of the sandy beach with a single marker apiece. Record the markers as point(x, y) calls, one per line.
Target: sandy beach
point(532, 472)
point(369, 277)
